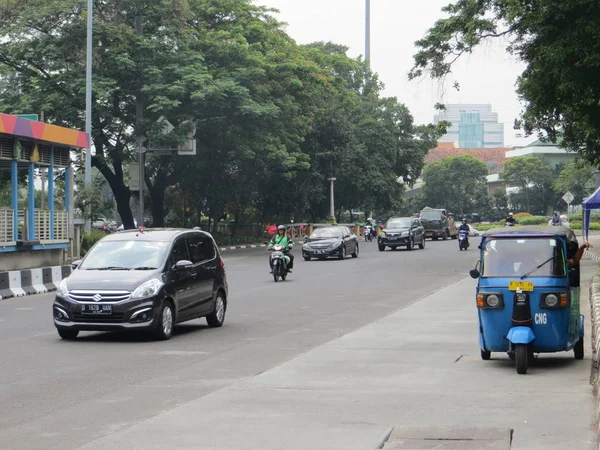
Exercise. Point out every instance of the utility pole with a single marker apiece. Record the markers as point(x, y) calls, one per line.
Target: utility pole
point(88, 102)
point(368, 31)
point(331, 200)
point(139, 116)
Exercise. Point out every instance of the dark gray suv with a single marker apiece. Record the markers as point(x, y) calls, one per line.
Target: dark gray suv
point(143, 280)
point(402, 231)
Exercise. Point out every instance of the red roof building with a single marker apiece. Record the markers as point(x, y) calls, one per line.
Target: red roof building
point(494, 158)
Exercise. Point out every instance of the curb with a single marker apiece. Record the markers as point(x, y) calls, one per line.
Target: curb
point(595, 319)
point(237, 247)
point(19, 283)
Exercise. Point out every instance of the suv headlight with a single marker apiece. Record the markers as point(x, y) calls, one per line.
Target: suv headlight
point(148, 289)
point(404, 233)
point(305, 246)
point(62, 290)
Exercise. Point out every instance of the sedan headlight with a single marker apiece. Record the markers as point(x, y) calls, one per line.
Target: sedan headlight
point(336, 244)
point(148, 289)
point(305, 246)
point(62, 290)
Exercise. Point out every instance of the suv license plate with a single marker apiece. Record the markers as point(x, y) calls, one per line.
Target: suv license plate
point(96, 309)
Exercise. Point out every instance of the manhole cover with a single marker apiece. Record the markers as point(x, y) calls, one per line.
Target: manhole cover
point(449, 438)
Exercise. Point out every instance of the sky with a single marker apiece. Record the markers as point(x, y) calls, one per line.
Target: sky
point(486, 76)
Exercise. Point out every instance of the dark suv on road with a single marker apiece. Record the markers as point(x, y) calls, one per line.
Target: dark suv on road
point(402, 231)
point(143, 280)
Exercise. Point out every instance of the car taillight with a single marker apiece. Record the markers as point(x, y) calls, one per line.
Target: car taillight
point(222, 265)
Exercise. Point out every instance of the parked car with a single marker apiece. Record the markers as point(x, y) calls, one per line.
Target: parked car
point(145, 280)
point(336, 241)
point(402, 231)
point(473, 232)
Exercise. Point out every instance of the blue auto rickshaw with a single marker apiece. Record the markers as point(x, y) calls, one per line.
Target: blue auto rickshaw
point(528, 293)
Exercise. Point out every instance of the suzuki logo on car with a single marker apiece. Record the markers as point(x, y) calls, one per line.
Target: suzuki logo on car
point(97, 297)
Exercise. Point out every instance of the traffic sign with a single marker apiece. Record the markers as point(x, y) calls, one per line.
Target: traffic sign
point(568, 198)
point(29, 116)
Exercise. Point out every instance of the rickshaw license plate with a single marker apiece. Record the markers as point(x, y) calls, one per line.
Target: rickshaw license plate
point(526, 286)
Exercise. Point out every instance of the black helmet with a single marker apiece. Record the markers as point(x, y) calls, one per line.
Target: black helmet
point(281, 227)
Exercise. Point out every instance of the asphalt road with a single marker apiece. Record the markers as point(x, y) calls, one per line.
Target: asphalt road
point(62, 395)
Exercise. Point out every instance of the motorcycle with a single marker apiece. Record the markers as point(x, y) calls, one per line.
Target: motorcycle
point(279, 262)
point(463, 240)
point(367, 233)
point(509, 224)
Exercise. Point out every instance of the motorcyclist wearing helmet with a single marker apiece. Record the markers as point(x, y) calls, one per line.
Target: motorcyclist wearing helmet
point(281, 238)
point(510, 219)
point(464, 226)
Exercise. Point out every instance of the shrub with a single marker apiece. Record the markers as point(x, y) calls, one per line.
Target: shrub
point(533, 220)
point(88, 240)
point(594, 226)
point(522, 214)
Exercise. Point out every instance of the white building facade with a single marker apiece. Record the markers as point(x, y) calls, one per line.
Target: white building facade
point(473, 126)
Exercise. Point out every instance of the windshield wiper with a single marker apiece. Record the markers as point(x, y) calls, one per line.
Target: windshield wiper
point(111, 268)
point(145, 268)
point(538, 267)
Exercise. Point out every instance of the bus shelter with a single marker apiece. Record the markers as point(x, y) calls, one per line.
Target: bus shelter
point(35, 232)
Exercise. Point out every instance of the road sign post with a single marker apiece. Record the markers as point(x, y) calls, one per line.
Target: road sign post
point(568, 198)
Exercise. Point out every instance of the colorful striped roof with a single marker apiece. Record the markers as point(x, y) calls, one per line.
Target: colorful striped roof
point(19, 126)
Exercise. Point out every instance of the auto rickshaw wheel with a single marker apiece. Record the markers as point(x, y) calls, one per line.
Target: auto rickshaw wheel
point(485, 355)
point(521, 357)
point(578, 350)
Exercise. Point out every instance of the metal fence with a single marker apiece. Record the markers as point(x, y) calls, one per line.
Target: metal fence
point(7, 225)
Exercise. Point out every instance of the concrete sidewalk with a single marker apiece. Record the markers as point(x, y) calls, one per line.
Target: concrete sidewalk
point(418, 368)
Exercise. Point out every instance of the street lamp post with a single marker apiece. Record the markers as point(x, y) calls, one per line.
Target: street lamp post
point(367, 31)
point(88, 101)
point(331, 201)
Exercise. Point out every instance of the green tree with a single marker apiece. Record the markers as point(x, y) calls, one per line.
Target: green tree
point(457, 183)
point(577, 178)
point(554, 39)
point(534, 177)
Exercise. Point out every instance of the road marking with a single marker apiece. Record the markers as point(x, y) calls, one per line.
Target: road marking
point(23, 309)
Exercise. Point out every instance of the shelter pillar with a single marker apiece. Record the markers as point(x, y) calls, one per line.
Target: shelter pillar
point(51, 192)
point(14, 196)
point(31, 203)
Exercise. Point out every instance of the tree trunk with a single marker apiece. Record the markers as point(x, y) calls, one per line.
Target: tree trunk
point(157, 193)
point(236, 220)
point(120, 191)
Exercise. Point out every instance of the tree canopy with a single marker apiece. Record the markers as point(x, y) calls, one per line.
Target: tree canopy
point(273, 119)
point(558, 43)
point(457, 183)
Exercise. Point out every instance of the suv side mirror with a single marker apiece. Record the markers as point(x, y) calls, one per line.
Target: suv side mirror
point(75, 264)
point(183, 264)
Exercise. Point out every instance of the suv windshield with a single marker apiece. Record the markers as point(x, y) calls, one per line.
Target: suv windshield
point(327, 233)
point(431, 215)
point(517, 257)
point(399, 223)
point(125, 255)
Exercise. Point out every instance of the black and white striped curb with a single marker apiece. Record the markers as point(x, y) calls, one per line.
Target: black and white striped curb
point(19, 283)
point(237, 247)
point(595, 256)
